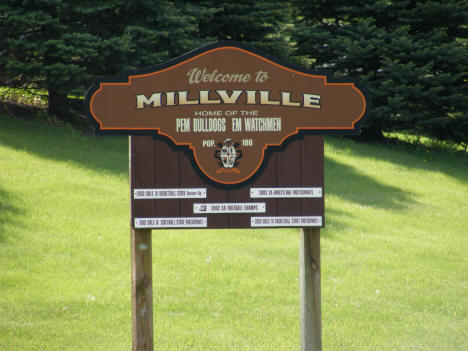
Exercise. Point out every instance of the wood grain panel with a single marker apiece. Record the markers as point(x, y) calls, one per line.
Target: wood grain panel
point(289, 175)
point(188, 179)
point(142, 174)
point(269, 179)
point(167, 176)
point(312, 173)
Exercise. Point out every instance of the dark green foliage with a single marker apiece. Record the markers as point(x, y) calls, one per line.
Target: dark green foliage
point(412, 56)
point(30, 40)
point(58, 45)
point(262, 24)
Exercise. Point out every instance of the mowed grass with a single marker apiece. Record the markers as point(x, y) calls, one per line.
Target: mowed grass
point(394, 254)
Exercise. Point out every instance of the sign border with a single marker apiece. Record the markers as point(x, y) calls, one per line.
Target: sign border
point(127, 76)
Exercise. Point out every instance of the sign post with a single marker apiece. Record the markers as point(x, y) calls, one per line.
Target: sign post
point(142, 290)
point(309, 289)
point(226, 137)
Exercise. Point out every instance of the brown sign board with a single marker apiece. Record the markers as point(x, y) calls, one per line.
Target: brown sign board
point(167, 191)
point(229, 137)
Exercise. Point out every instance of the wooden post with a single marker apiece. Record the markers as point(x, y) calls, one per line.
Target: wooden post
point(310, 299)
point(142, 290)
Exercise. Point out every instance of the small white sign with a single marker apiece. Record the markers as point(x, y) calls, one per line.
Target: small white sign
point(246, 207)
point(171, 222)
point(185, 193)
point(285, 192)
point(290, 221)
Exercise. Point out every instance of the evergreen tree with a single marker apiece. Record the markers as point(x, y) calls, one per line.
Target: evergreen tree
point(261, 23)
point(412, 56)
point(37, 49)
point(59, 45)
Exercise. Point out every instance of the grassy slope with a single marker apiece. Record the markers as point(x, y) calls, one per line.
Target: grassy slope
point(393, 269)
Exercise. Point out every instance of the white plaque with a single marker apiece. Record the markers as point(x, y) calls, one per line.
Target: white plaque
point(245, 207)
point(287, 221)
point(171, 222)
point(285, 192)
point(176, 193)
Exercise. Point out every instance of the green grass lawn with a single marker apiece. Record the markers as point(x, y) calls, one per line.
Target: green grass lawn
point(394, 254)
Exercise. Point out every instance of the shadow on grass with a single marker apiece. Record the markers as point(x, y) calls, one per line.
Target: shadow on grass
point(63, 143)
point(9, 213)
point(337, 221)
point(412, 157)
point(348, 184)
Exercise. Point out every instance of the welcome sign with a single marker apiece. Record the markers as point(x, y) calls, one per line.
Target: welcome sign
point(227, 104)
point(222, 137)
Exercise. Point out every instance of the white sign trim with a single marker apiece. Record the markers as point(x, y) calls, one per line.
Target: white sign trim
point(172, 193)
point(229, 207)
point(171, 222)
point(286, 221)
point(302, 192)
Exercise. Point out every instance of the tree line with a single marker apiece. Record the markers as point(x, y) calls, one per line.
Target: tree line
point(411, 55)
